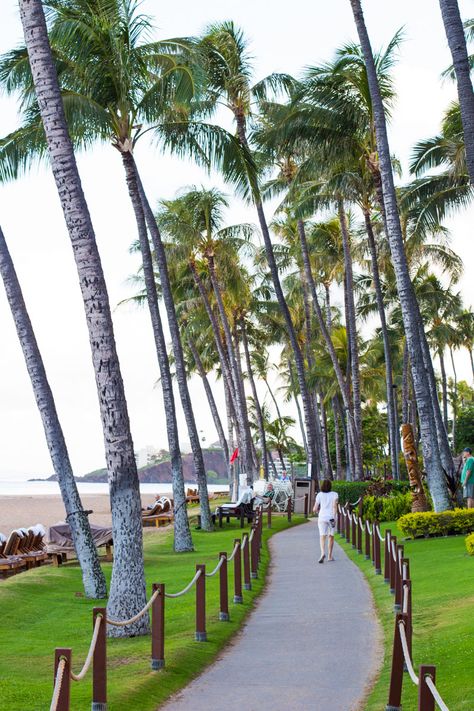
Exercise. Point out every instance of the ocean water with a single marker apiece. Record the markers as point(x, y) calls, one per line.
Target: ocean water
point(39, 488)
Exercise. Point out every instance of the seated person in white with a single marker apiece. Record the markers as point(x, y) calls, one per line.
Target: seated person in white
point(326, 505)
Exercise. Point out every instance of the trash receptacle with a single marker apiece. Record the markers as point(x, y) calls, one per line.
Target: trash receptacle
point(304, 486)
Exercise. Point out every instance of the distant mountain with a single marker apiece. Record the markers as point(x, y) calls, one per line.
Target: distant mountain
point(161, 473)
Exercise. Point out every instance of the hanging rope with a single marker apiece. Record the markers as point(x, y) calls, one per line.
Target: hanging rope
point(57, 684)
point(90, 654)
point(124, 623)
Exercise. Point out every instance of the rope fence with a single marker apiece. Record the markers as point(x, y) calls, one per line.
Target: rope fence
point(245, 555)
point(397, 576)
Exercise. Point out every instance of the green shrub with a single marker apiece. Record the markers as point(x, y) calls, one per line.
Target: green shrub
point(437, 524)
point(387, 508)
point(470, 543)
point(350, 491)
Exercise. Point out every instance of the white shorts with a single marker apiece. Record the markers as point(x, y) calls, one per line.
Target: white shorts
point(325, 528)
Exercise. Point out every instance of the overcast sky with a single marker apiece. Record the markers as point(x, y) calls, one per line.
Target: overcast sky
point(284, 37)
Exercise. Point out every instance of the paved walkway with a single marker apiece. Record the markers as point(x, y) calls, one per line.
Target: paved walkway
point(310, 644)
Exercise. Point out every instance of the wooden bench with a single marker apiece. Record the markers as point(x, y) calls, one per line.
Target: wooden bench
point(158, 520)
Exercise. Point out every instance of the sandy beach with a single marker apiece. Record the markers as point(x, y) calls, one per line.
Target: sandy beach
point(16, 511)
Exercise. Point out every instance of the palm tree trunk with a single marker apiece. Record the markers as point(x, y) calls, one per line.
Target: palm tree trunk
point(238, 358)
point(182, 532)
point(405, 385)
point(324, 434)
point(471, 359)
point(258, 409)
point(210, 399)
point(444, 388)
point(355, 367)
point(127, 589)
point(321, 462)
point(356, 449)
point(457, 44)
point(299, 363)
point(409, 305)
point(92, 576)
point(181, 376)
point(236, 376)
point(298, 408)
point(337, 439)
point(392, 433)
point(455, 401)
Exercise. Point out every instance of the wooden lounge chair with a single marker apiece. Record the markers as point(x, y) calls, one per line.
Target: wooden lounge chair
point(192, 496)
point(9, 561)
point(161, 513)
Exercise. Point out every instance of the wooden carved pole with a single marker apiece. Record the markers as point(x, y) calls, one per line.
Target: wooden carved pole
point(419, 502)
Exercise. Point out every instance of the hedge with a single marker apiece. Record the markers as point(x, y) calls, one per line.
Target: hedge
point(350, 491)
point(437, 524)
point(387, 508)
point(470, 543)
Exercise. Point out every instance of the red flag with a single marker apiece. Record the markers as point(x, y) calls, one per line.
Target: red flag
point(234, 456)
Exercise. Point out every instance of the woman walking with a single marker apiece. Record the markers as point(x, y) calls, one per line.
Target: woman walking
point(326, 505)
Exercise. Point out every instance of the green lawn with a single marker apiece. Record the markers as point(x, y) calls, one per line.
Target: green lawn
point(443, 619)
point(41, 611)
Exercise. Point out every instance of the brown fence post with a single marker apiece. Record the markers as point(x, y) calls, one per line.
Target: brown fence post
point(367, 541)
point(254, 554)
point(396, 675)
point(393, 540)
point(372, 543)
point(306, 505)
point(377, 561)
point(201, 634)
point(398, 580)
point(386, 559)
point(353, 530)
point(99, 663)
point(247, 583)
point(269, 514)
point(223, 590)
point(237, 574)
point(348, 527)
point(359, 534)
point(289, 507)
point(64, 699)
point(425, 698)
point(158, 627)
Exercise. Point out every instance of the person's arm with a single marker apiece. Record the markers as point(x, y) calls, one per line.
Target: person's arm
point(469, 471)
point(334, 507)
point(317, 505)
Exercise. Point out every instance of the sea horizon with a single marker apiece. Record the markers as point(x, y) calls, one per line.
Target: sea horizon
point(41, 487)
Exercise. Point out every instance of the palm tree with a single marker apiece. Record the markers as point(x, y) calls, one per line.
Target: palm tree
point(127, 589)
point(136, 84)
point(457, 44)
point(92, 575)
point(229, 70)
point(416, 339)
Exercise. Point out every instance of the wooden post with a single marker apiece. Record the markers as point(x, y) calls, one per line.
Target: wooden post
point(158, 628)
point(99, 663)
point(372, 547)
point(426, 701)
point(367, 541)
point(289, 507)
point(393, 540)
point(377, 561)
point(348, 529)
point(237, 574)
point(386, 558)
point(223, 589)
point(409, 626)
point(396, 676)
point(359, 534)
point(201, 635)
point(247, 583)
point(398, 580)
point(353, 530)
point(64, 699)
point(306, 505)
point(269, 514)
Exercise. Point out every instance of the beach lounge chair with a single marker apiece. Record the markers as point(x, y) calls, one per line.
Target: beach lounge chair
point(243, 508)
point(192, 496)
point(160, 515)
point(9, 561)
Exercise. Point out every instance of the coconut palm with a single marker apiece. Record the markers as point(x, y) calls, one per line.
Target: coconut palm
point(457, 44)
point(135, 85)
point(92, 575)
point(415, 335)
point(127, 589)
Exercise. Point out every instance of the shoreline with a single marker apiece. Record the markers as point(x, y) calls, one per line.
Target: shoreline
point(27, 510)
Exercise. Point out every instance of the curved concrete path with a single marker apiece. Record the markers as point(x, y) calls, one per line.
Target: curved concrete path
point(310, 644)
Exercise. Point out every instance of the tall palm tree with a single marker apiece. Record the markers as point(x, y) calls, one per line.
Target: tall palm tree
point(92, 575)
point(411, 316)
point(229, 70)
point(127, 589)
point(457, 44)
point(136, 84)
